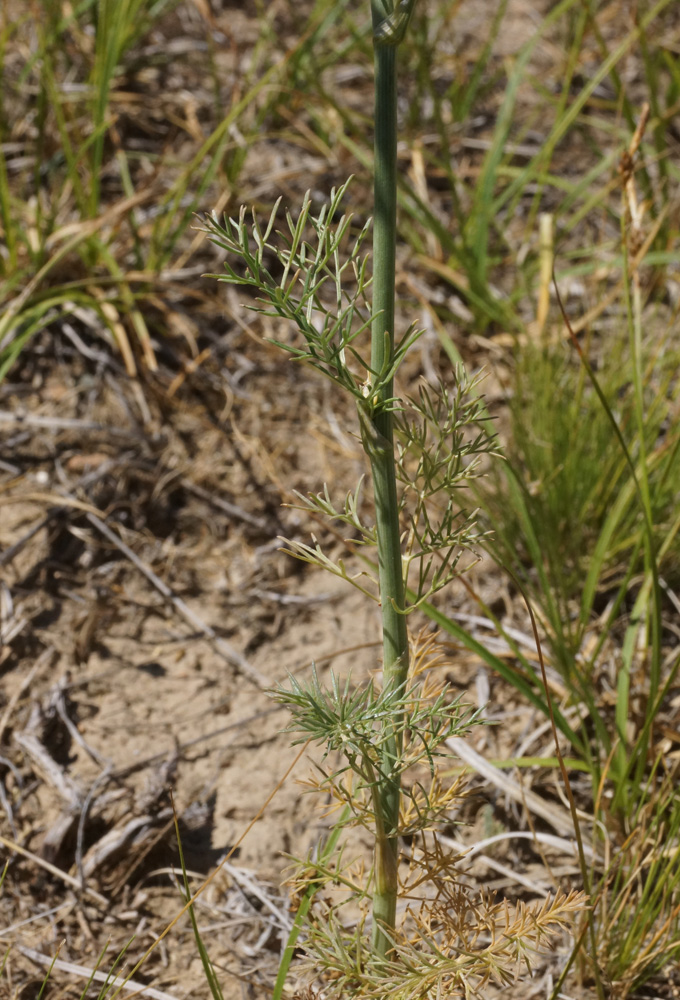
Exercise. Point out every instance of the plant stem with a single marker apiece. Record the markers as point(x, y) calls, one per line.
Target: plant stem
point(395, 639)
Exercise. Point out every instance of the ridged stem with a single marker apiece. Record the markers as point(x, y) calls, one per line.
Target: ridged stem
point(395, 639)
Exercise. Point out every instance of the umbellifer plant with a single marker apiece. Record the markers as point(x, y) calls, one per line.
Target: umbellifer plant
point(384, 741)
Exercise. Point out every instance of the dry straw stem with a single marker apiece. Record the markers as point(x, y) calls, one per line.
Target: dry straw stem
point(64, 877)
point(94, 975)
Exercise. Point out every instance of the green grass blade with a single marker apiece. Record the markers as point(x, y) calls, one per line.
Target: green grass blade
point(325, 855)
point(528, 682)
point(208, 968)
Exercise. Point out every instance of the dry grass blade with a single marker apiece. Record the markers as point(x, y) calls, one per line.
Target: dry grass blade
point(558, 817)
point(94, 975)
point(64, 877)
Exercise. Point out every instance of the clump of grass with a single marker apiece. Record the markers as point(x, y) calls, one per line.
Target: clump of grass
point(638, 911)
point(564, 508)
point(93, 227)
point(583, 516)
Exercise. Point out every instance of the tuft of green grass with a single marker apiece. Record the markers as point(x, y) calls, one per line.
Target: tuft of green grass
point(91, 225)
point(563, 507)
point(638, 910)
point(584, 518)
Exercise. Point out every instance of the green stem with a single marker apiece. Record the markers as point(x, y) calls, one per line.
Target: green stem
point(379, 444)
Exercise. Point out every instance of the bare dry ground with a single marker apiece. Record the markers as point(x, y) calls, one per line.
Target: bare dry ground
point(121, 689)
